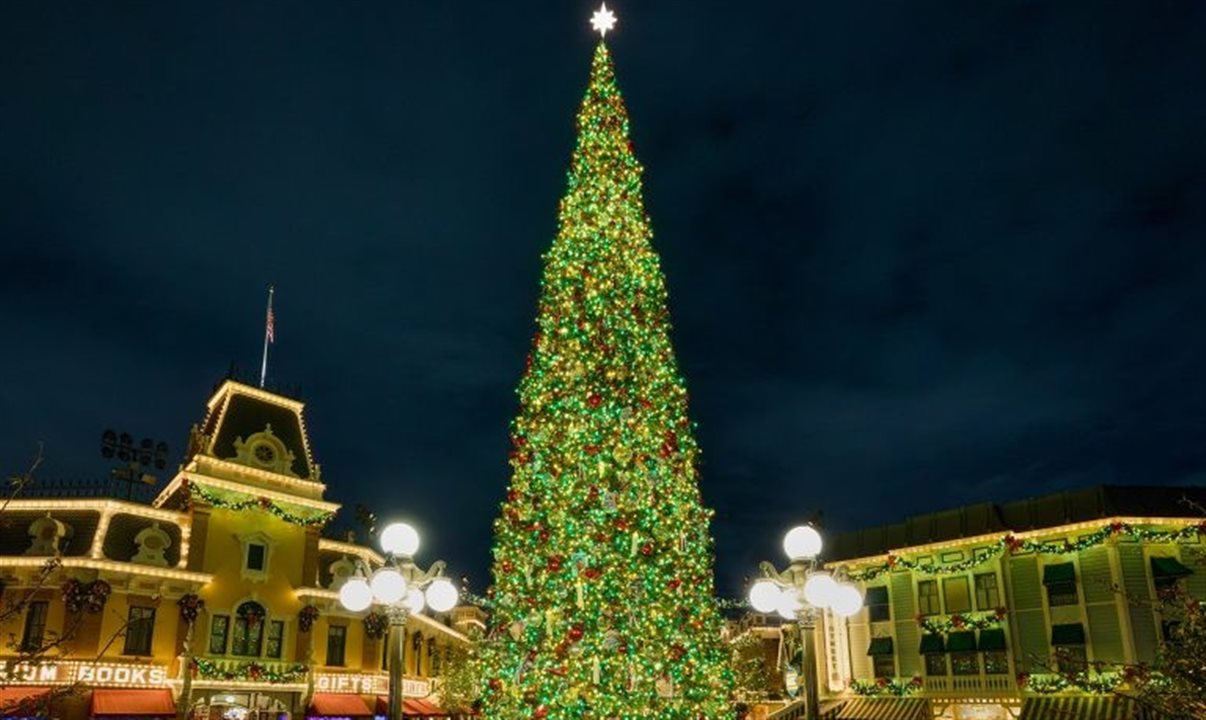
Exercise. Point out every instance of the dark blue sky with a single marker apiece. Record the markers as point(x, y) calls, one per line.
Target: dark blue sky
point(919, 254)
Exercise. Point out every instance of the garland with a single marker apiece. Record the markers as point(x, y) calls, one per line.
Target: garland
point(1011, 544)
point(306, 618)
point(1101, 684)
point(78, 596)
point(199, 492)
point(896, 687)
point(962, 621)
point(376, 624)
point(248, 671)
point(190, 607)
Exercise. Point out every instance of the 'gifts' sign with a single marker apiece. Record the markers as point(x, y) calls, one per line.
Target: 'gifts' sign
point(367, 684)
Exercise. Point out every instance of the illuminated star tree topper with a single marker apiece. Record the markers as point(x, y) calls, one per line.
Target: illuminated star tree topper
point(603, 20)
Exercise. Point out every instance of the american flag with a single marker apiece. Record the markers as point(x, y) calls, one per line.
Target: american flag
point(270, 331)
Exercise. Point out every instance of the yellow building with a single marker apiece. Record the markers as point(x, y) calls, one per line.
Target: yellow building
point(218, 600)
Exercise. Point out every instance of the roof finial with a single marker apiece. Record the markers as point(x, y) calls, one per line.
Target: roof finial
point(603, 20)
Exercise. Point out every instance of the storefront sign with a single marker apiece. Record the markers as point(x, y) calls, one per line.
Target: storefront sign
point(89, 674)
point(368, 684)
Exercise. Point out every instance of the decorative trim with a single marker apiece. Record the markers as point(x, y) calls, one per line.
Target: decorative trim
point(1011, 543)
point(895, 687)
point(272, 503)
point(962, 621)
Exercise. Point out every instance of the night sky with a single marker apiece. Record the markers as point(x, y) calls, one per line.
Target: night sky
point(919, 254)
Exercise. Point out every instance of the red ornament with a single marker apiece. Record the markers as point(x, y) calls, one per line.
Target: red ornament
point(647, 549)
point(592, 449)
point(591, 573)
point(507, 566)
point(677, 652)
point(495, 684)
point(540, 712)
point(673, 584)
point(544, 536)
point(554, 563)
point(594, 400)
point(575, 633)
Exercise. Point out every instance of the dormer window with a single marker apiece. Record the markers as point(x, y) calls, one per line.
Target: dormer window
point(257, 555)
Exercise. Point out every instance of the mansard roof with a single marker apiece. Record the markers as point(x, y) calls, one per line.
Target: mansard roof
point(1039, 513)
point(236, 412)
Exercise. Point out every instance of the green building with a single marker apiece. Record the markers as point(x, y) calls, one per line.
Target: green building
point(982, 612)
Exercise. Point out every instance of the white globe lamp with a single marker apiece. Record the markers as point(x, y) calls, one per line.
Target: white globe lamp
point(415, 602)
point(442, 595)
point(764, 595)
point(789, 604)
point(802, 543)
point(847, 600)
point(356, 595)
point(388, 585)
point(820, 589)
point(400, 539)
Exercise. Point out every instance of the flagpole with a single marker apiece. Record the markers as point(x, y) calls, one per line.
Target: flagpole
point(267, 337)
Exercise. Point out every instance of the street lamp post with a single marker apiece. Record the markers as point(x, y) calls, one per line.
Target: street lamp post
point(801, 593)
point(403, 589)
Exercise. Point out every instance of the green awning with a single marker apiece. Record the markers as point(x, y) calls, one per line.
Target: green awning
point(1061, 573)
point(1071, 634)
point(1168, 568)
point(963, 641)
point(992, 639)
point(876, 596)
point(931, 643)
point(880, 646)
point(1065, 707)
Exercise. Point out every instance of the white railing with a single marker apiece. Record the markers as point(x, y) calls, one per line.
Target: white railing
point(964, 684)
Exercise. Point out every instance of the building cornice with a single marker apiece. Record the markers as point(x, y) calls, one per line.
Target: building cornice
point(367, 554)
point(1056, 531)
point(85, 563)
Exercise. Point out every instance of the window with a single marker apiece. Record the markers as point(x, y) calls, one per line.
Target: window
point(433, 657)
point(927, 598)
point(958, 599)
point(987, 597)
point(996, 663)
point(336, 637)
point(1071, 659)
point(935, 664)
point(877, 604)
point(1069, 643)
point(219, 629)
point(965, 663)
point(1169, 629)
point(256, 553)
point(885, 666)
point(1060, 581)
point(140, 627)
point(35, 626)
point(276, 638)
point(248, 636)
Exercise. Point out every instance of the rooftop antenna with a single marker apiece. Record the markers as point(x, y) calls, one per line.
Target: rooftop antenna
point(269, 336)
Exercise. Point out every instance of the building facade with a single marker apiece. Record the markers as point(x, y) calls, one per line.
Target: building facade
point(984, 612)
point(1000, 611)
point(216, 601)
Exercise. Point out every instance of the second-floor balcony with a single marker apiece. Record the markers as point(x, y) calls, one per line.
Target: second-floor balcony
point(963, 685)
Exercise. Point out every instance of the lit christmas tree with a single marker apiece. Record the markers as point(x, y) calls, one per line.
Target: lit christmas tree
point(603, 604)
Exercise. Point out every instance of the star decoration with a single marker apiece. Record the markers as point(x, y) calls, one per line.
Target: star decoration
point(603, 20)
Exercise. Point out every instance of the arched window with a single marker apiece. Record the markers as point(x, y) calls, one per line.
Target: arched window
point(248, 637)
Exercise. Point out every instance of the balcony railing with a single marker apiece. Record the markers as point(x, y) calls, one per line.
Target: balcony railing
point(967, 684)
